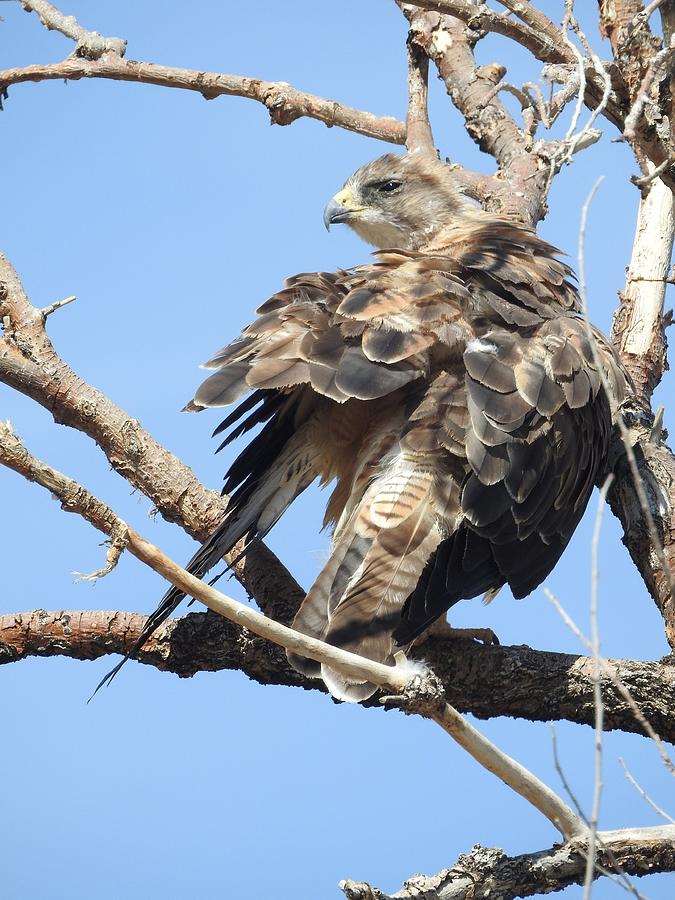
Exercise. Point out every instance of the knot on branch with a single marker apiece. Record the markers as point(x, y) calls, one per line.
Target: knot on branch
point(423, 694)
point(93, 46)
point(493, 72)
point(474, 865)
point(359, 890)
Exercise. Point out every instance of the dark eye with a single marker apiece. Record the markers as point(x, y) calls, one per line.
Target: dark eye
point(387, 187)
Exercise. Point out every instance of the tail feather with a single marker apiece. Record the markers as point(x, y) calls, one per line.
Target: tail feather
point(377, 559)
point(312, 617)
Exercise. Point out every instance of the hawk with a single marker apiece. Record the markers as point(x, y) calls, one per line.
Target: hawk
point(450, 392)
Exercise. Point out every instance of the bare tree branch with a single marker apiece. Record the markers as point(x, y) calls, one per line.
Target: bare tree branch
point(284, 102)
point(638, 329)
point(487, 873)
point(638, 332)
point(645, 796)
point(89, 43)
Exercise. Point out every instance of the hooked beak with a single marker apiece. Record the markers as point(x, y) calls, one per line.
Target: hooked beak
point(340, 209)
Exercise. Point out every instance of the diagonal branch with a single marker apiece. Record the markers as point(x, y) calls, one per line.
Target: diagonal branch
point(422, 693)
point(100, 57)
point(545, 43)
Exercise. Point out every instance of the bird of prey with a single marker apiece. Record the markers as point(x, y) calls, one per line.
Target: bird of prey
point(450, 391)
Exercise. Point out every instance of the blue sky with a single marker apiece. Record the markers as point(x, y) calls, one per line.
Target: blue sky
point(171, 219)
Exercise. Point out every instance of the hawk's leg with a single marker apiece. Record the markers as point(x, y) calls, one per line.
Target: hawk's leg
point(442, 629)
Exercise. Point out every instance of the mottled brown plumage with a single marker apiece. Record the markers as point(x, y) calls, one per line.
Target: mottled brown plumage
point(448, 388)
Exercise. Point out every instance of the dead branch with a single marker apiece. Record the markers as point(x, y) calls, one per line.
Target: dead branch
point(487, 873)
point(89, 43)
point(638, 329)
point(627, 28)
point(284, 103)
point(639, 63)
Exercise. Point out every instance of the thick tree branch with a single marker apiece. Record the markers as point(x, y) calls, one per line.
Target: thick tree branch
point(537, 33)
point(638, 332)
point(485, 681)
point(487, 873)
point(284, 102)
point(638, 329)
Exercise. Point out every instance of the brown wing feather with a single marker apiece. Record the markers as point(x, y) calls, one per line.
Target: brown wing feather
point(526, 487)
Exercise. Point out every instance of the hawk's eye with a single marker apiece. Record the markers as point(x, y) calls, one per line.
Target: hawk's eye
point(388, 187)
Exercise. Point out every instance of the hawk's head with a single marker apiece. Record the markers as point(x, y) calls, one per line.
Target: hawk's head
point(398, 201)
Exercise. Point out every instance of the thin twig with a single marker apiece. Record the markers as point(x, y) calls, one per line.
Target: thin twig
point(610, 672)
point(574, 138)
point(48, 310)
point(645, 796)
point(642, 181)
point(620, 877)
point(597, 690)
